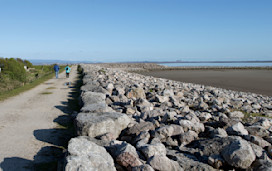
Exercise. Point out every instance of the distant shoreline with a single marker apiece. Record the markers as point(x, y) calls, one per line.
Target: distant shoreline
point(215, 62)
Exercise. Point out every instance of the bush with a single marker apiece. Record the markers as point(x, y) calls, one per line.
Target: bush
point(13, 68)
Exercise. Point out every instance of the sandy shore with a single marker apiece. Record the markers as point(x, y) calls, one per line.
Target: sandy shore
point(246, 80)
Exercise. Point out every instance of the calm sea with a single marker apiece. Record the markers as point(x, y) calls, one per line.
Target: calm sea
point(266, 64)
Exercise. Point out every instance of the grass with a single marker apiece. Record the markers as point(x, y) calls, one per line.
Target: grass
point(14, 92)
point(49, 88)
point(46, 92)
point(7, 94)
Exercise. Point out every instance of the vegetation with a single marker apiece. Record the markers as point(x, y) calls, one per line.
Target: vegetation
point(19, 75)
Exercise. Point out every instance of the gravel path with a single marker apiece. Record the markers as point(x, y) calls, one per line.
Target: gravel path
point(29, 124)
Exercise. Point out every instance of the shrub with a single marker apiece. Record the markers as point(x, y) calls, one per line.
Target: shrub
point(13, 68)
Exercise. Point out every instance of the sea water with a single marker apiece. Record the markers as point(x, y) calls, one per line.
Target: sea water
point(232, 64)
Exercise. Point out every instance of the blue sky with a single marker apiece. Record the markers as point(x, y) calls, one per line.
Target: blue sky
point(136, 30)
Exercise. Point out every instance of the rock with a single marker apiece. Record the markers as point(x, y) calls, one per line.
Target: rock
point(188, 125)
point(108, 137)
point(170, 130)
point(262, 165)
point(98, 124)
point(239, 154)
point(188, 162)
point(128, 160)
point(269, 151)
point(150, 150)
point(187, 137)
point(168, 92)
point(144, 167)
point(258, 131)
point(163, 163)
point(93, 97)
point(139, 127)
point(136, 93)
point(257, 140)
point(218, 132)
point(161, 99)
point(142, 139)
point(86, 155)
point(237, 129)
point(204, 116)
point(263, 122)
point(236, 114)
point(130, 110)
point(96, 107)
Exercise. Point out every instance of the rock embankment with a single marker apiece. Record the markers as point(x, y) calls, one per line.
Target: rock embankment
point(134, 122)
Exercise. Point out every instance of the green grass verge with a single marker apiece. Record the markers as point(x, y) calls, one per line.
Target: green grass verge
point(14, 92)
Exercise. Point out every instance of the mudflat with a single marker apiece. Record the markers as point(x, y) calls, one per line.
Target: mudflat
point(246, 80)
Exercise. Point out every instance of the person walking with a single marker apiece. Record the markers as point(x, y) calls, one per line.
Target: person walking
point(68, 70)
point(56, 68)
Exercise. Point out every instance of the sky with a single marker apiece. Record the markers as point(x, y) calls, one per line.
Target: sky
point(136, 30)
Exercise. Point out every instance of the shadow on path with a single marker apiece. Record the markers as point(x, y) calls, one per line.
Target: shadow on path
point(51, 157)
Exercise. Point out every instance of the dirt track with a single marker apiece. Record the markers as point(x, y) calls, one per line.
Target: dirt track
point(30, 128)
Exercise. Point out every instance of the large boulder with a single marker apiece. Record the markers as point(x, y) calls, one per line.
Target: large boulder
point(239, 154)
point(98, 124)
point(85, 155)
point(92, 97)
point(96, 107)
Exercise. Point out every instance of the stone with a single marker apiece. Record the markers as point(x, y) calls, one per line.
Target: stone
point(218, 132)
point(96, 107)
point(170, 130)
point(163, 163)
point(216, 161)
point(204, 116)
point(188, 125)
point(258, 131)
point(239, 154)
point(150, 150)
point(262, 165)
point(257, 140)
point(139, 127)
point(136, 93)
point(187, 137)
point(269, 151)
point(116, 148)
point(161, 99)
point(236, 114)
point(85, 155)
point(128, 160)
point(144, 167)
point(98, 124)
point(130, 110)
point(237, 129)
point(188, 162)
point(92, 97)
point(142, 139)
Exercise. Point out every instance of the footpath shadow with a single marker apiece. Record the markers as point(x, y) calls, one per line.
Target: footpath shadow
point(50, 158)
